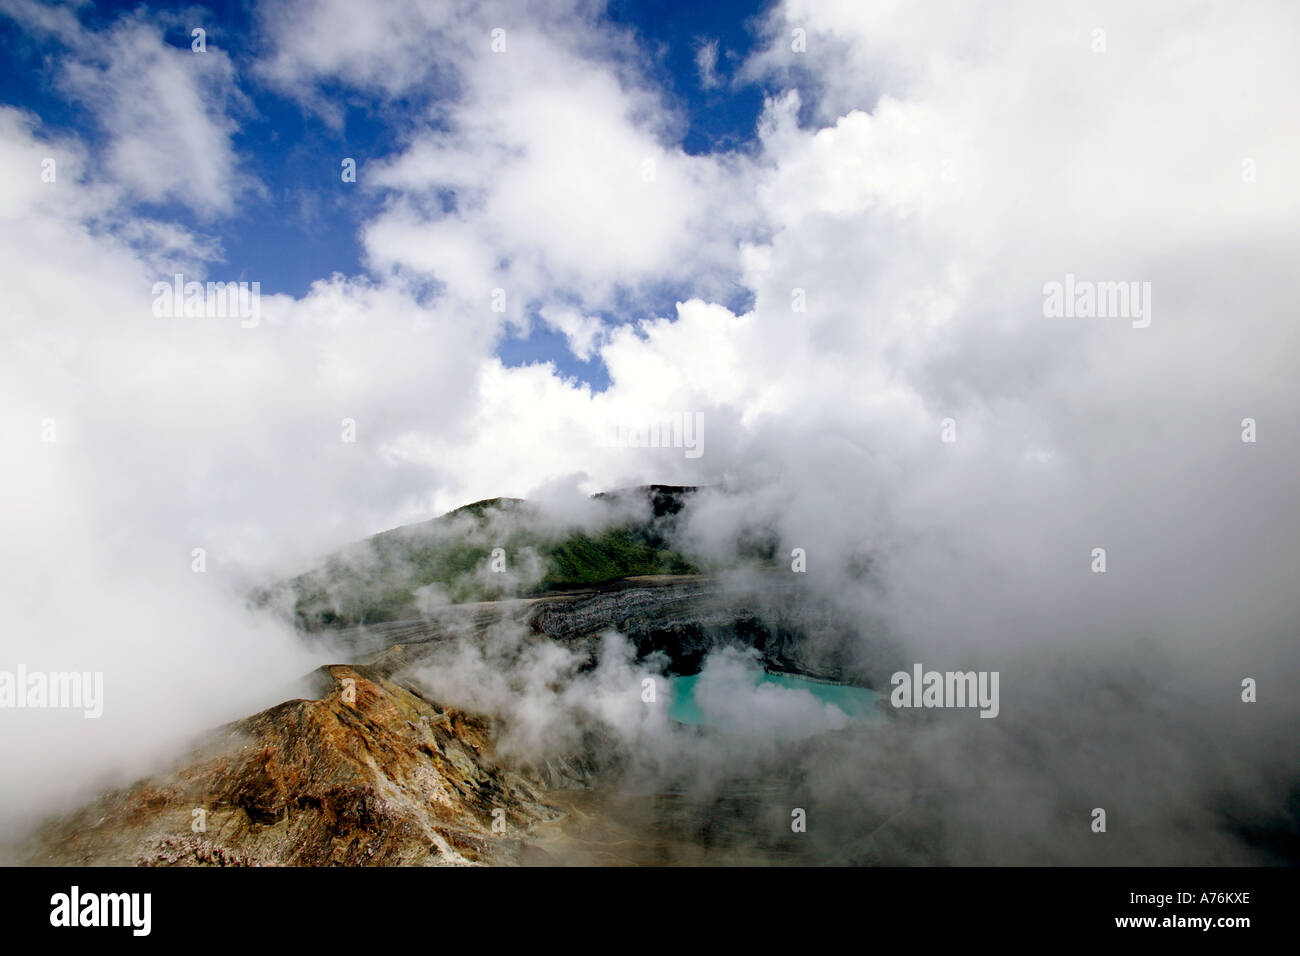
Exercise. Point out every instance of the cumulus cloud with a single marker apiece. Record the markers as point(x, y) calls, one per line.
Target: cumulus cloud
point(558, 189)
point(168, 113)
point(151, 456)
point(547, 163)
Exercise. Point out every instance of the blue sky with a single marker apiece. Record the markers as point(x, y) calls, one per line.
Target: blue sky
point(302, 223)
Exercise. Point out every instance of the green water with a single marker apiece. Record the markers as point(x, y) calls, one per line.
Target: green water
point(857, 703)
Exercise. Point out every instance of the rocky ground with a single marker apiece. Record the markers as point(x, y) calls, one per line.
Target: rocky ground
point(682, 616)
point(368, 771)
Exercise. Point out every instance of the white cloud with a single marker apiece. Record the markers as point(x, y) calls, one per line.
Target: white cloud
point(583, 332)
point(706, 62)
point(167, 113)
point(557, 152)
point(559, 178)
point(390, 48)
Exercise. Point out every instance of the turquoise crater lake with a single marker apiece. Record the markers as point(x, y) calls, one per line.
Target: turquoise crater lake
point(856, 703)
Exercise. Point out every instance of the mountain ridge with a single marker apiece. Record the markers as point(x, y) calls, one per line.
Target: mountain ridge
point(489, 549)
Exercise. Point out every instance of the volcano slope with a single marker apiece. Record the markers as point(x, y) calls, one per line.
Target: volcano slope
point(369, 772)
point(367, 768)
point(398, 757)
point(513, 727)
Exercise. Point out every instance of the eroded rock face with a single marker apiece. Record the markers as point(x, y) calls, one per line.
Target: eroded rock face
point(686, 618)
point(682, 617)
point(387, 778)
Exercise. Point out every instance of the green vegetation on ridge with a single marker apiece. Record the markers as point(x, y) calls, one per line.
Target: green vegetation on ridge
point(397, 574)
